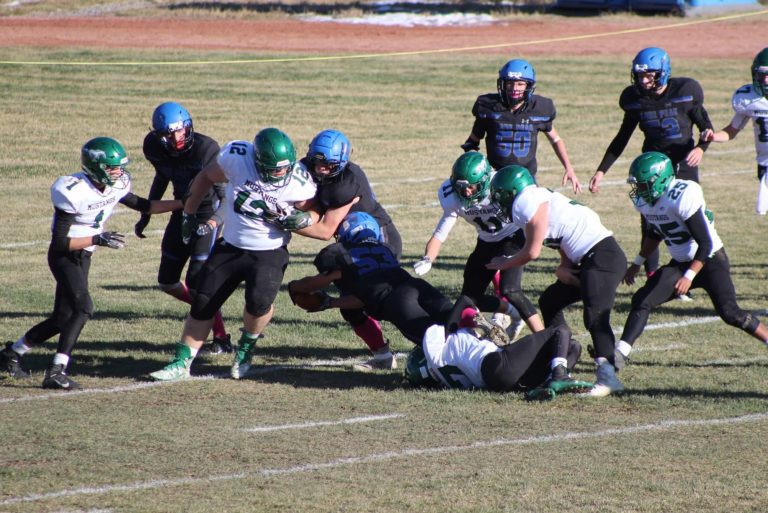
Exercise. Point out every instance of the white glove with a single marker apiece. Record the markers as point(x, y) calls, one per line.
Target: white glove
point(422, 266)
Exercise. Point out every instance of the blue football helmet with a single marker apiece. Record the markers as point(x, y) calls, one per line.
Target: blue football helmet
point(651, 60)
point(331, 148)
point(168, 118)
point(359, 228)
point(514, 70)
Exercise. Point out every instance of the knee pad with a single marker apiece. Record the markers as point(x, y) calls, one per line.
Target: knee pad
point(257, 308)
point(742, 320)
point(519, 301)
point(354, 318)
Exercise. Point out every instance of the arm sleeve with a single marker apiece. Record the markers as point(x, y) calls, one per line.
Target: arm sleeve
point(697, 225)
point(134, 202)
point(618, 143)
point(158, 187)
point(700, 116)
point(61, 222)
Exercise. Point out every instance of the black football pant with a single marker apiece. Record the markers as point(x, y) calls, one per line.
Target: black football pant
point(72, 305)
point(414, 306)
point(477, 277)
point(358, 317)
point(714, 277)
point(175, 254)
point(525, 363)
point(600, 272)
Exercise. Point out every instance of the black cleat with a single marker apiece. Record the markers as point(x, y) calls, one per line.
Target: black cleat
point(219, 345)
point(11, 365)
point(56, 378)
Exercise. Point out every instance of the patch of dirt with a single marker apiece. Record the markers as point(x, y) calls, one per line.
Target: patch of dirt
point(681, 37)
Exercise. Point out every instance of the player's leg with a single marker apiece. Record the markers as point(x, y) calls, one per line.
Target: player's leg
point(262, 282)
point(222, 273)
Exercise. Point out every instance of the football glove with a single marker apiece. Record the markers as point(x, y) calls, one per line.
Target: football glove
point(112, 240)
point(295, 221)
point(470, 145)
point(204, 229)
point(138, 228)
point(188, 226)
point(422, 266)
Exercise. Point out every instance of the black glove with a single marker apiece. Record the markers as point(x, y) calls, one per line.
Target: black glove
point(112, 240)
point(138, 228)
point(470, 145)
point(204, 229)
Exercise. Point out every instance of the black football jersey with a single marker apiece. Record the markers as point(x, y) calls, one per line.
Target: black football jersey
point(666, 121)
point(511, 137)
point(181, 169)
point(368, 271)
point(349, 184)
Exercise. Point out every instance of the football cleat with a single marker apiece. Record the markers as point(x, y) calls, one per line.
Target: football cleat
point(502, 320)
point(514, 329)
point(542, 393)
point(241, 364)
point(56, 378)
point(219, 345)
point(619, 360)
point(607, 383)
point(375, 364)
point(488, 330)
point(11, 365)
point(177, 370)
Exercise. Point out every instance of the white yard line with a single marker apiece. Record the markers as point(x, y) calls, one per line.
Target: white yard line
point(306, 425)
point(386, 456)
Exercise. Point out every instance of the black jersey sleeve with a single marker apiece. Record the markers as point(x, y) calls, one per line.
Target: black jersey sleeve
point(137, 203)
point(328, 260)
point(697, 225)
point(622, 137)
point(60, 229)
point(698, 113)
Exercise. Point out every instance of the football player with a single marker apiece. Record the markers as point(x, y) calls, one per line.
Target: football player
point(466, 195)
point(457, 356)
point(750, 101)
point(343, 187)
point(266, 192)
point(591, 262)
point(677, 214)
point(82, 202)
point(511, 119)
point(665, 108)
point(371, 279)
point(178, 153)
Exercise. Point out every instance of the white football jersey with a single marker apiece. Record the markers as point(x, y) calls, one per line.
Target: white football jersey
point(483, 216)
point(456, 360)
point(668, 215)
point(748, 104)
point(76, 194)
point(573, 227)
point(253, 204)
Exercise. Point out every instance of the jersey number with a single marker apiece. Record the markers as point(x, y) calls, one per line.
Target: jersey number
point(762, 129)
point(256, 209)
point(372, 258)
point(509, 141)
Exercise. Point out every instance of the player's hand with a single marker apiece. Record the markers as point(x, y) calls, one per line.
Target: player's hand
point(138, 228)
point(694, 157)
point(111, 240)
point(570, 176)
point(594, 182)
point(568, 275)
point(422, 266)
point(204, 229)
point(682, 286)
point(470, 145)
point(707, 135)
point(498, 263)
point(295, 221)
point(630, 274)
point(188, 226)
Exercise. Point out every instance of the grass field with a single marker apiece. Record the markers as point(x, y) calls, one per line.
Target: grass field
point(304, 432)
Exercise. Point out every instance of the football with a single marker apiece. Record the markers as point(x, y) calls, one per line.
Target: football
point(309, 301)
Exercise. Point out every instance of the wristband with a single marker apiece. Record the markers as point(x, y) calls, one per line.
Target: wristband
point(639, 260)
point(689, 275)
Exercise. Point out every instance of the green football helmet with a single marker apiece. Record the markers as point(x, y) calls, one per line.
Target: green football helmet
point(99, 154)
point(471, 169)
point(649, 176)
point(507, 184)
point(416, 372)
point(273, 151)
point(760, 71)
